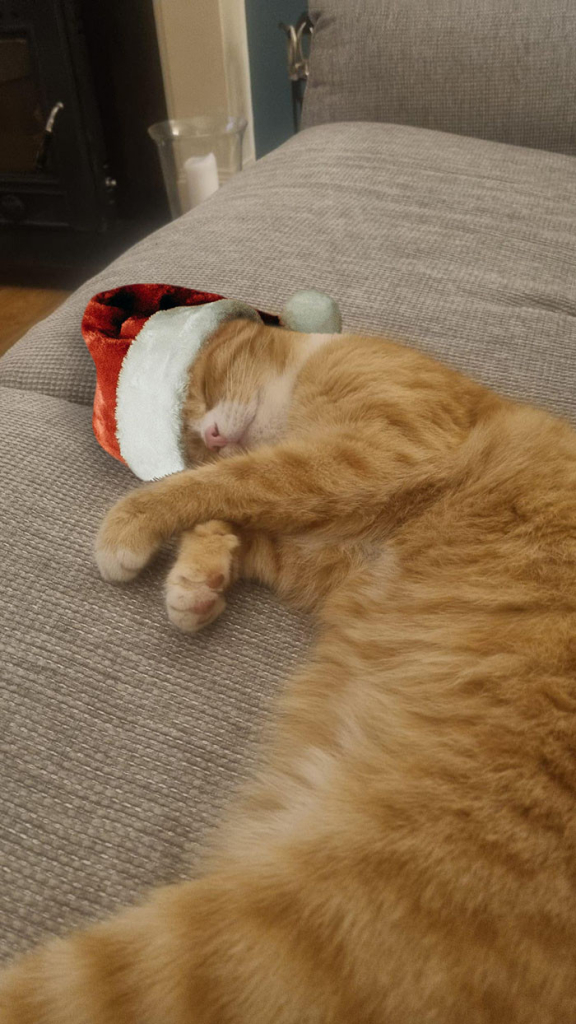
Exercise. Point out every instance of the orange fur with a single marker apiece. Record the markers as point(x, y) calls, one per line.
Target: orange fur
point(407, 854)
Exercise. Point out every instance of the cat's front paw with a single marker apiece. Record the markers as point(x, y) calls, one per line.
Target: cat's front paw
point(125, 542)
point(205, 567)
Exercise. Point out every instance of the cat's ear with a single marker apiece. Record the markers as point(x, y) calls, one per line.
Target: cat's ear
point(311, 312)
point(231, 309)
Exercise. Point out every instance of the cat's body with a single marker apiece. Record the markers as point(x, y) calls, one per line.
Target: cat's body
point(408, 853)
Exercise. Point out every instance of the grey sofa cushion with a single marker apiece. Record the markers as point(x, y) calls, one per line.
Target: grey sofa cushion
point(121, 738)
point(463, 248)
point(495, 69)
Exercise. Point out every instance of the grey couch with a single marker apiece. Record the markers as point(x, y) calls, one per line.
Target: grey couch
point(122, 739)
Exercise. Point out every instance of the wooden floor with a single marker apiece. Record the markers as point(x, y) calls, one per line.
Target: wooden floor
point(21, 308)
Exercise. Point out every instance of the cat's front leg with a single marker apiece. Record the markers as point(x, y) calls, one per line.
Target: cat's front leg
point(127, 539)
point(339, 485)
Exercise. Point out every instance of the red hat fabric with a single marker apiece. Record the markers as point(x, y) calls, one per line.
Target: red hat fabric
point(111, 321)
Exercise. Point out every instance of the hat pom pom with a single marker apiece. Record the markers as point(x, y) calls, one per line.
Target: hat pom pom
point(311, 312)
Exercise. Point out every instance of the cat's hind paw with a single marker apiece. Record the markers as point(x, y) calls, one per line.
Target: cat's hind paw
point(204, 569)
point(191, 604)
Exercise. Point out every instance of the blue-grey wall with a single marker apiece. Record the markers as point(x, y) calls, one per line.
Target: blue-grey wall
point(271, 92)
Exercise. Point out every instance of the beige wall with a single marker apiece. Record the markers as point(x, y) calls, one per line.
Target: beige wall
point(204, 53)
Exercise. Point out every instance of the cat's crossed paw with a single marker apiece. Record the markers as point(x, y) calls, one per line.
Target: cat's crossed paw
point(205, 568)
point(125, 541)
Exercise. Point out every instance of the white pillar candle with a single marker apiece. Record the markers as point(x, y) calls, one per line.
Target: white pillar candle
point(201, 177)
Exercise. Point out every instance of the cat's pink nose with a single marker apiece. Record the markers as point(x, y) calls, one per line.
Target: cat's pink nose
point(213, 438)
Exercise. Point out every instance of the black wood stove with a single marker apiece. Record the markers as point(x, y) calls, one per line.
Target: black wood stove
point(58, 202)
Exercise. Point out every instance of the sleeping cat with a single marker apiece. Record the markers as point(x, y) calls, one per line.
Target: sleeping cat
point(407, 854)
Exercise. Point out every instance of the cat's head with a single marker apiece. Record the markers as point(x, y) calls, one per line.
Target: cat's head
point(239, 390)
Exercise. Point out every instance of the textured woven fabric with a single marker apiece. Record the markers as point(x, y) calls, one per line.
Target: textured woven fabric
point(121, 738)
point(496, 69)
point(464, 248)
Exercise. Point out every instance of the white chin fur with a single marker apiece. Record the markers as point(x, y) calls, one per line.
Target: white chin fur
point(232, 418)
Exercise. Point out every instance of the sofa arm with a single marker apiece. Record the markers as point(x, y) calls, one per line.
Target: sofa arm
point(486, 68)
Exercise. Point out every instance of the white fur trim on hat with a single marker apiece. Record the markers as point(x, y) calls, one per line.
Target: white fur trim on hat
point(153, 380)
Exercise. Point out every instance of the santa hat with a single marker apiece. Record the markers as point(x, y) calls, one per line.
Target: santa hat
point(143, 340)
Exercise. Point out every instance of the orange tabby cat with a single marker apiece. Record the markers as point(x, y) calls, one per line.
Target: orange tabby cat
point(408, 853)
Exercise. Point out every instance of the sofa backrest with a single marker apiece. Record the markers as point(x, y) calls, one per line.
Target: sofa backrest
point(496, 69)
